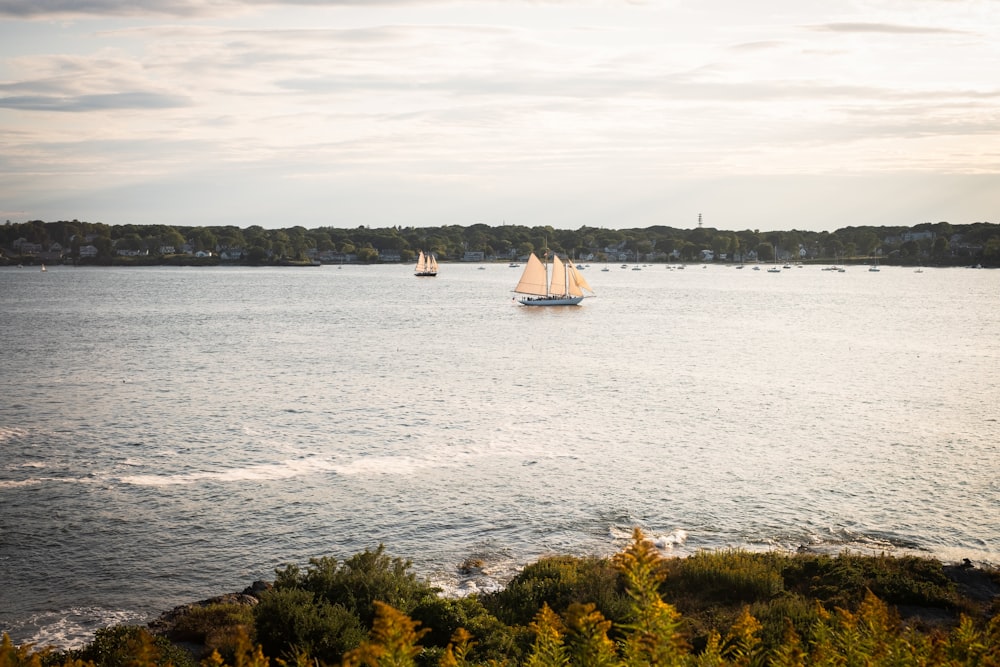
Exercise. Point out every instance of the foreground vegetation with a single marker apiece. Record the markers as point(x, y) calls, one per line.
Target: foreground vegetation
point(726, 608)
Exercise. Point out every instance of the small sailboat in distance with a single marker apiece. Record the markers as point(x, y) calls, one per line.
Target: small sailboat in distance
point(774, 269)
point(564, 287)
point(427, 265)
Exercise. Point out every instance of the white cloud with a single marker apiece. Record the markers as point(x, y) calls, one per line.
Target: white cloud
point(577, 109)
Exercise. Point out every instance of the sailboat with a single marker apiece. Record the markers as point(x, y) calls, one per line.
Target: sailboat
point(775, 269)
point(564, 287)
point(427, 266)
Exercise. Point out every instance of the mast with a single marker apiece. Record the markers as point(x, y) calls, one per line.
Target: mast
point(548, 285)
point(548, 260)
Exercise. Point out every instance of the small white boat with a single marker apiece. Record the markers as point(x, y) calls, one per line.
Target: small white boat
point(775, 269)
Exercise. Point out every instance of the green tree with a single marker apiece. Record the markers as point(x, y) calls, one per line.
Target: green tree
point(941, 249)
point(367, 255)
point(991, 251)
point(765, 252)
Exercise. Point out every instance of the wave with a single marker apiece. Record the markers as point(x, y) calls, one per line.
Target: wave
point(10, 433)
point(262, 472)
point(289, 468)
point(72, 628)
point(18, 483)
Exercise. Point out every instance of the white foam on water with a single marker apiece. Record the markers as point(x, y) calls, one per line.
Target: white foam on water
point(669, 541)
point(263, 472)
point(74, 628)
point(33, 481)
point(948, 554)
point(14, 484)
point(299, 467)
point(9, 433)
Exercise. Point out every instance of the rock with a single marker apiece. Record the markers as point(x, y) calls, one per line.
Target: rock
point(165, 623)
point(257, 587)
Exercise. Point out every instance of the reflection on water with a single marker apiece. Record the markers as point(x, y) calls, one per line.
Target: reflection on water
point(170, 434)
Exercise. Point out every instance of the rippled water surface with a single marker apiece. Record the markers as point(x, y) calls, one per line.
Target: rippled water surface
point(172, 434)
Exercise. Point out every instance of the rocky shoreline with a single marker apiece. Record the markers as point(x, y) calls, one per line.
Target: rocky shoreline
point(165, 624)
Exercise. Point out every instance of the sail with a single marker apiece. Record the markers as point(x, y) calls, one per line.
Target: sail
point(533, 278)
point(577, 283)
point(558, 284)
point(432, 264)
point(421, 264)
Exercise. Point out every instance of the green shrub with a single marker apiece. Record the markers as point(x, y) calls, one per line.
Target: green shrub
point(559, 582)
point(218, 627)
point(789, 609)
point(294, 621)
point(125, 645)
point(730, 576)
point(845, 580)
point(443, 617)
point(359, 582)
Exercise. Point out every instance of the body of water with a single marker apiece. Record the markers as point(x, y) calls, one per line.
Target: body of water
point(170, 434)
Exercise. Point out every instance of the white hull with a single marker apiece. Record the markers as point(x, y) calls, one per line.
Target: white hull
point(551, 300)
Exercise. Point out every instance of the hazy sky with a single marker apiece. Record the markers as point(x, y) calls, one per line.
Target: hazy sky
point(760, 114)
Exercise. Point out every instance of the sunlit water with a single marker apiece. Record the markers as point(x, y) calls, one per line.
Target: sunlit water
point(171, 434)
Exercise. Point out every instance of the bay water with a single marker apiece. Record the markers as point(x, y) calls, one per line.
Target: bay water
point(170, 434)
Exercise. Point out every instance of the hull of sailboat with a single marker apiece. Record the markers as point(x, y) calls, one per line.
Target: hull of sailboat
point(551, 301)
point(425, 274)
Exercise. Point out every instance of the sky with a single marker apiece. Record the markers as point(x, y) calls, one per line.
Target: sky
point(764, 114)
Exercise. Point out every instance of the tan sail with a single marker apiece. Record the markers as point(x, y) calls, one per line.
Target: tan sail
point(533, 279)
point(558, 283)
point(577, 283)
point(426, 265)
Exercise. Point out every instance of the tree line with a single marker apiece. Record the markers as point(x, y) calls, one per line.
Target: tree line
point(931, 243)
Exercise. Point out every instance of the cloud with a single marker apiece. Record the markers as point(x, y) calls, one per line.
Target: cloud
point(885, 28)
point(101, 102)
point(37, 9)
point(79, 8)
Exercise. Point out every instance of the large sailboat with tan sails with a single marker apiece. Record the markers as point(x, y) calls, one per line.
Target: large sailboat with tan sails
point(557, 283)
point(427, 265)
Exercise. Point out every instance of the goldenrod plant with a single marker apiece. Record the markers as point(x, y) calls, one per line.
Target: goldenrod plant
point(786, 610)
